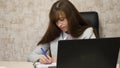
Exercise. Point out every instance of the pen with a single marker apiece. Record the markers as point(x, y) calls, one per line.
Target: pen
point(44, 53)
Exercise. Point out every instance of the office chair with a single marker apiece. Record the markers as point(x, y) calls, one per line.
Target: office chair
point(92, 18)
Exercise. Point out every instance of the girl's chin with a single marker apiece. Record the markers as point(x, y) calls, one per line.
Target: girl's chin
point(64, 30)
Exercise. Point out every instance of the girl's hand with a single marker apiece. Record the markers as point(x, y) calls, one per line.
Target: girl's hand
point(44, 60)
point(54, 59)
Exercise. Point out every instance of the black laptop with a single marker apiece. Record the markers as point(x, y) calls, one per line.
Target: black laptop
point(88, 53)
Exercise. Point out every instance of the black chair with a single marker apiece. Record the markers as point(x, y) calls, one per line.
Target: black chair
point(92, 18)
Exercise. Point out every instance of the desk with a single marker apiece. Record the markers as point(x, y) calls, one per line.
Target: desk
point(15, 64)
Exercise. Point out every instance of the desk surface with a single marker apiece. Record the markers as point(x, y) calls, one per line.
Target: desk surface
point(15, 64)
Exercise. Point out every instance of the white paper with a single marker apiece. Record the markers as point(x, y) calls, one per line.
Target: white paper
point(39, 65)
point(117, 66)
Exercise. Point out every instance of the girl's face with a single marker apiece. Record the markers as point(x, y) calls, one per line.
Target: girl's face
point(62, 23)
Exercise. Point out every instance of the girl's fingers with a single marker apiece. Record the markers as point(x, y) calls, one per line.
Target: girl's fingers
point(54, 59)
point(45, 60)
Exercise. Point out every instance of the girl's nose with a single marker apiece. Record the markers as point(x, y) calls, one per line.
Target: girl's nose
point(60, 24)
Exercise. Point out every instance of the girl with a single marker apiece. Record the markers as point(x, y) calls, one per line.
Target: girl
point(65, 23)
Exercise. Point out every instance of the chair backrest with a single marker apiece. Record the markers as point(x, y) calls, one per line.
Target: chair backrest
point(92, 18)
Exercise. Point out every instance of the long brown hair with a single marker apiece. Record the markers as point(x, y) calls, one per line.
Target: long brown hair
point(76, 24)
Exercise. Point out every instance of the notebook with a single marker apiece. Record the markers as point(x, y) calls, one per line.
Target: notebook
point(39, 65)
point(88, 53)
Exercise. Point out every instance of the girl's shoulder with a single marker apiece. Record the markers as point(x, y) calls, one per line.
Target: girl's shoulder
point(88, 30)
point(87, 33)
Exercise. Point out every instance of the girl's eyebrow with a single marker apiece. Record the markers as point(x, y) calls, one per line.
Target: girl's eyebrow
point(62, 17)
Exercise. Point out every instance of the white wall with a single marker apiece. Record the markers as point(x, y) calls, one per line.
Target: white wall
point(23, 23)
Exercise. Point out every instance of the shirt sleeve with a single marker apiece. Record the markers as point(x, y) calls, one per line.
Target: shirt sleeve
point(89, 34)
point(35, 55)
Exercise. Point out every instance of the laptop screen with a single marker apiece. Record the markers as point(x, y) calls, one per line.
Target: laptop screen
point(88, 53)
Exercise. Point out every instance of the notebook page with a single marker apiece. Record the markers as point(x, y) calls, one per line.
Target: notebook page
point(39, 65)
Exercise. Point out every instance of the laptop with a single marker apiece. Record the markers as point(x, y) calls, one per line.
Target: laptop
point(88, 53)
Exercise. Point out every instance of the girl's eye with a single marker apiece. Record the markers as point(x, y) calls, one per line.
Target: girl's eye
point(60, 20)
